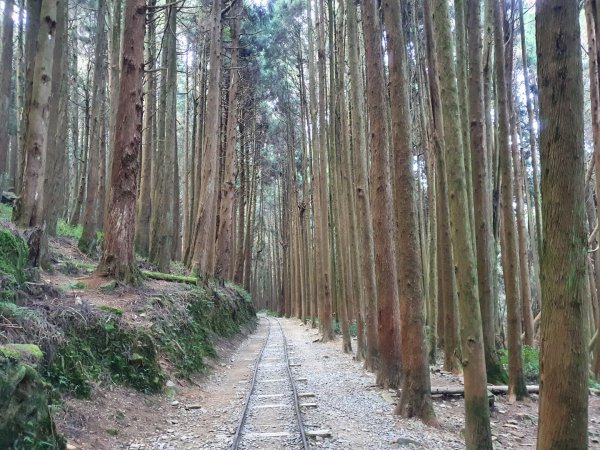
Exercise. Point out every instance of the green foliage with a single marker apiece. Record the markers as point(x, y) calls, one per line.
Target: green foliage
point(77, 285)
point(531, 362)
point(336, 326)
point(65, 229)
point(5, 212)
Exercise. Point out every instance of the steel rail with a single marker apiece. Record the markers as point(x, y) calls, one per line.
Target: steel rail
point(295, 391)
point(238, 434)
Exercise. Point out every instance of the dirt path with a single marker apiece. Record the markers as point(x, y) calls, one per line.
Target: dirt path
point(204, 414)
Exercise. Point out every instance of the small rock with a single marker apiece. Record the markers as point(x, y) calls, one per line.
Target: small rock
point(193, 407)
point(170, 384)
point(405, 441)
point(174, 403)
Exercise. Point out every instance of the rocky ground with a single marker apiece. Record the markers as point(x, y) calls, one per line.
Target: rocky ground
point(203, 414)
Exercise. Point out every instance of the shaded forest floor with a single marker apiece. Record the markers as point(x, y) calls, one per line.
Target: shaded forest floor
point(199, 409)
point(358, 414)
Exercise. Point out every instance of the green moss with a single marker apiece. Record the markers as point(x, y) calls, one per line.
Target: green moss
point(21, 351)
point(170, 277)
point(109, 286)
point(25, 421)
point(111, 309)
point(13, 257)
point(98, 345)
point(127, 356)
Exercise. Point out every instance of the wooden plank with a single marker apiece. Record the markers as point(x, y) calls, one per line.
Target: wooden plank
point(307, 394)
point(273, 434)
point(274, 405)
point(308, 405)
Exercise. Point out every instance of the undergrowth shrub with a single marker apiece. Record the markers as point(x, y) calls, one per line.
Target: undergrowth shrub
point(531, 362)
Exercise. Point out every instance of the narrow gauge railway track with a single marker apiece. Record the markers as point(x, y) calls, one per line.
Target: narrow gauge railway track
point(271, 417)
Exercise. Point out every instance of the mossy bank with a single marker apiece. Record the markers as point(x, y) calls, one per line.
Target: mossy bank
point(61, 344)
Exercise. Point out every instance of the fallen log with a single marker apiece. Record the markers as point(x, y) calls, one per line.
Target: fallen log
point(494, 389)
point(170, 277)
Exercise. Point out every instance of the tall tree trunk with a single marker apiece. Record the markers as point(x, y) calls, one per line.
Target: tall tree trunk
point(87, 242)
point(6, 62)
point(448, 301)
point(532, 134)
point(481, 183)
point(31, 41)
point(118, 257)
point(225, 236)
point(56, 161)
point(415, 399)
point(206, 219)
point(30, 208)
point(144, 208)
point(564, 355)
point(362, 192)
point(388, 319)
point(510, 258)
point(477, 425)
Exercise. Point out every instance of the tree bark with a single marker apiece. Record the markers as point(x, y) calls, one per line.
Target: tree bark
point(415, 400)
point(564, 355)
point(118, 257)
point(510, 256)
point(477, 425)
point(6, 62)
point(30, 208)
point(87, 242)
point(225, 236)
point(388, 314)
point(206, 219)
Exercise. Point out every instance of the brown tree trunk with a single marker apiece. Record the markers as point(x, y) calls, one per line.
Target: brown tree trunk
point(30, 208)
point(481, 182)
point(5, 85)
point(87, 242)
point(415, 399)
point(388, 319)
point(206, 218)
point(477, 425)
point(564, 355)
point(118, 257)
point(225, 236)
point(144, 208)
point(510, 256)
